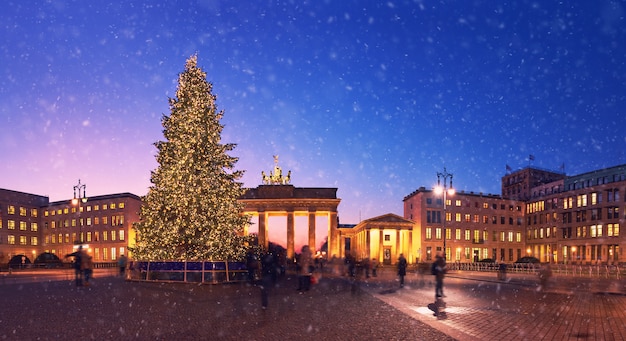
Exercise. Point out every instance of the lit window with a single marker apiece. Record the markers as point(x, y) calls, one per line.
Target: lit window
point(34, 227)
point(121, 205)
point(11, 224)
point(23, 240)
point(33, 212)
point(121, 239)
point(11, 209)
point(11, 239)
point(34, 241)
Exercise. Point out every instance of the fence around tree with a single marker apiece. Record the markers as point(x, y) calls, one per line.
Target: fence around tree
point(212, 272)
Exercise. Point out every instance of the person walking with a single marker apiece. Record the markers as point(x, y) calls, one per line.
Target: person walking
point(374, 267)
point(87, 267)
point(78, 273)
point(252, 264)
point(439, 270)
point(305, 266)
point(121, 263)
point(402, 269)
point(268, 277)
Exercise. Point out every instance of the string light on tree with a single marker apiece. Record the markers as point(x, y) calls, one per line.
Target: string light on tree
point(191, 210)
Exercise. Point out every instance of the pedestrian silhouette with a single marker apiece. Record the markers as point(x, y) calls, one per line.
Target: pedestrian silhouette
point(402, 269)
point(439, 270)
point(77, 265)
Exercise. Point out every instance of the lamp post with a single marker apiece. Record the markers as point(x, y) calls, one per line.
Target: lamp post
point(444, 190)
point(81, 198)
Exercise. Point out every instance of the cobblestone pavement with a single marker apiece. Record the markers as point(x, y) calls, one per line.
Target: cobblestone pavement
point(114, 309)
point(479, 307)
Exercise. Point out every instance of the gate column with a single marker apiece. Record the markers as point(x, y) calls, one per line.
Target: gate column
point(290, 234)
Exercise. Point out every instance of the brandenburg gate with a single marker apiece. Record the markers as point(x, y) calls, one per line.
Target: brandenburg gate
point(277, 197)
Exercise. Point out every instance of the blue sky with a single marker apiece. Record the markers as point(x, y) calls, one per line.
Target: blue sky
point(373, 98)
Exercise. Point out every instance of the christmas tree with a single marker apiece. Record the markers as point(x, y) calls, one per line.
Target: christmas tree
point(191, 210)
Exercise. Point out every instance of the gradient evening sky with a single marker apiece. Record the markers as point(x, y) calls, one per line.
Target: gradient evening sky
point(371, 97)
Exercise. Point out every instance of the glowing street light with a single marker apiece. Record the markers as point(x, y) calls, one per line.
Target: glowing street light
point(444, 190)
point(81, 198)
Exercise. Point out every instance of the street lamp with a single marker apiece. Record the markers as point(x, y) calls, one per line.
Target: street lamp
point(81, 198)
point(444, 190)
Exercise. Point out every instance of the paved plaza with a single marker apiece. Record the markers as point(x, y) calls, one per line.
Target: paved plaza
point(478, 307)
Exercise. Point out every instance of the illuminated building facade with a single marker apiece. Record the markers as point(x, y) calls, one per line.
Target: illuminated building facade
point(31, 225)
point(577, 220)
point(477, 226)
point(20, 224)
point(103, 225)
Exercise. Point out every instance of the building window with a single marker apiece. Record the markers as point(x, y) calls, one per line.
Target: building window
point(34, 227)
point(11, 224)
point(122, 236)
point(467, 234)
point(458, 203)
point(34, 241)
point(33, 212)
point(457, 217)
point(23, 240)
point(429, 233)
point(457, 234)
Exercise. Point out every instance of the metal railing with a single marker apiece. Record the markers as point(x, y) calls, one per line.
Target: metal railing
point(187, 271)
point(597, 271)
